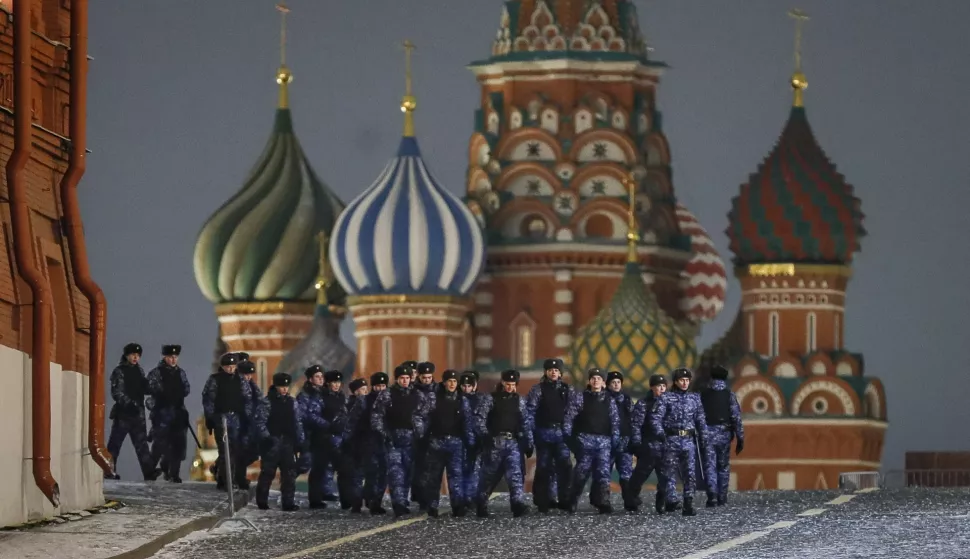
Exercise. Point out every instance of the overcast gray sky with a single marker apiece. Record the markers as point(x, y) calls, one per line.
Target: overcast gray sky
point(182, 96)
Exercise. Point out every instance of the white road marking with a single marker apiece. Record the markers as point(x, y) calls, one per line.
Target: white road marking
point(741, 540)
point(841, 500)
point(812, 512)
point(867, 490)
point(359, 535)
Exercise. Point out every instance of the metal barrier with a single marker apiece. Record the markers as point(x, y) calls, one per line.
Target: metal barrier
point(935, 477)
point(228, 475)
point(854, 481)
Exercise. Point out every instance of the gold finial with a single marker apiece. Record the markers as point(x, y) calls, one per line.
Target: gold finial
point(799, 82)
point(323, 277)
point(632, 235)
point(408, 103)
point(283, 75)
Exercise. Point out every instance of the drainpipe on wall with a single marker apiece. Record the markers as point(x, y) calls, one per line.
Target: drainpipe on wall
point(74, 229)
point(24, 253)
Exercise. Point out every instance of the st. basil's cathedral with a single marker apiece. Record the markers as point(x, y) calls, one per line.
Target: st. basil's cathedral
point(533, 262)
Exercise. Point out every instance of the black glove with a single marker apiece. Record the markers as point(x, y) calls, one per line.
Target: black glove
point(739, 446)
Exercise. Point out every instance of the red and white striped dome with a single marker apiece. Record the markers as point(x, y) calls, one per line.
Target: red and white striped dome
point(706, 277)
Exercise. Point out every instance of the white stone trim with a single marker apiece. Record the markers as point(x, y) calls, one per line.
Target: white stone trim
point(777, 402)
point(872, 398)
point(564, 276)
point(484, 298)
point(483, 342)
point(234, 318)
point(371, 332)
point(786, 480)
point(564, 318)
point(364, 319)
point(563, 341)
point(267, 336)
point(821, 385)
point(266, 353)
point(563, 296)
point(572, 248)
point(816, 421)
point(483, 320)
point(803, 462)
point(576, 76)
point(811, 332)
point(409, 308)
point(764, 306)
point(560, 64)
point(792, 291)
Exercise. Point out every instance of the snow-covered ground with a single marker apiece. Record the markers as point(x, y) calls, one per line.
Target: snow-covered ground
point(911, 523)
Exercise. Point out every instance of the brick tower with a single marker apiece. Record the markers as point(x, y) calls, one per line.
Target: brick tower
point(408, 253)
point(794, 228)
point(256, 258)
point(568, 114)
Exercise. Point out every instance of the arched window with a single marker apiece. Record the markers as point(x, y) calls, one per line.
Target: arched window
point(773, 334)
point(424, 348)
point(810, 341)
point(524, 356)
point(386, 353)
point(451, 354)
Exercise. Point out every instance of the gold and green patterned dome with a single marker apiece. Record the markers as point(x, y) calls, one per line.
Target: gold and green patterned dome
point(633, 335)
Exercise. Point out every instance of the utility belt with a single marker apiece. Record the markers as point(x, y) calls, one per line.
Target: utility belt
point(679, 432)
point(719, 424)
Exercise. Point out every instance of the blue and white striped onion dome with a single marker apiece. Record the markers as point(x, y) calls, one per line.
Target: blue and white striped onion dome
point(407, 235)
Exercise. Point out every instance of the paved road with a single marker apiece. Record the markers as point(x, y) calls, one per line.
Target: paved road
point(774, 524)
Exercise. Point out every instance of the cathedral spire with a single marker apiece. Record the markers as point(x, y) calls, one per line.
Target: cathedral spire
point(799, 82)
point(283, 74)
point(408, 102)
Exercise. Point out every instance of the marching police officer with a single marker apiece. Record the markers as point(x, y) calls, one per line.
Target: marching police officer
point(649, 449)
point(128, 388)
point(724, 424)
point(281, 437)
point(592, 425)
point(366, 450)
point(168, 386)
point(450, 430)
point(678, 418)
point(398, 419)
point(227, 395)
point(505, 424)
point(622, 455)
point(472, 462)
point(546, 403)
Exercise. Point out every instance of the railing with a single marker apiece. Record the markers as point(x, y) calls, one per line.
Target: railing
point(854, 481)
point(935, 477)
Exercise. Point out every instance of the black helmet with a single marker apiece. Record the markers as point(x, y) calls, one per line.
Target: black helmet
point(402, 371)
point(242, 356)
point(132, 348)
point(426, 368)
point(246, 368)
point(333, 376)
point(378, 378)
point(449, 374)
point(228, 359)
point(657, 380)
point(467, 378)
point(683, 372)
point(510, 375)
point(173, 349)
point(552, 364)
point(718, 372)
point(614, 375)
point(356, 384)
point(312, 370)
point(596, 372)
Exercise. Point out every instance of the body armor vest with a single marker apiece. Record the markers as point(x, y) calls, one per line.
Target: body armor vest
point(595, 417)
point(505, 416)
point(402, 408)
point(552, 404)
point(229, 397)
point(717, 406)
point(134, 383)
point(282, 419)
point(446, 419)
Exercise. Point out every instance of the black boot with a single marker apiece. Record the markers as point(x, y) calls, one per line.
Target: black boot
point(459, 511)
point(482, 510)
point(376, 509)
point(175, 479)
point(432, 512)
point(401, 510)
point(660, 504)
point(605, 509)
point(318, 505)
point(262, 505)
point(291, 507)
point(519, 509)
point(711, 501)
point(721, 501)
point(671, 507)
point(689, 508)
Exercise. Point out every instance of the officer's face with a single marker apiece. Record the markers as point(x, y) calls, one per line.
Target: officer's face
point(334, 385)
point(282, 390)
point(248, 376)
point(133, 358)
point(616, 385)
point(659, 389)
point(597, 383)
point(451, 384)
point(468, 388)
point(403, 381)
point(229, 368)
point(362, 391)
point(553, 374)
point(508, 386)
point(379, 387)
point(317, 379)
point(683, 383)
point(171, 360)
point(426, 378)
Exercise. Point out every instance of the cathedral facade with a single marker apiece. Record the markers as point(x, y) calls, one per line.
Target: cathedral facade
point(569, 242)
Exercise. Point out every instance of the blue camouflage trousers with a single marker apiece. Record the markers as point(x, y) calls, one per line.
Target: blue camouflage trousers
point(622, 459)
point(131, 425)
point(649, 459)
point(502, 457)
point(237, 448)
point(168, 439)
point(680, 459)
point(371, 461)
point(445, 453)
point(400, 453)
point(553, 467)
point(717, 460)
point(324, 459)
point(594, 458)
point(471, 471)
point(277, 453)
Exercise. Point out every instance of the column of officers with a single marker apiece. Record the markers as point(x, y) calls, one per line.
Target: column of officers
point(403, 436)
